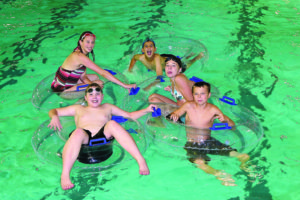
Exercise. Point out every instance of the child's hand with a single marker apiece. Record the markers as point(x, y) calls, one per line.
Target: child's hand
point(168, 88)
point(101, 83)
point(174, 116)
point(151, 107)
point(129, 86)
point(55, 123)
point(220, 117)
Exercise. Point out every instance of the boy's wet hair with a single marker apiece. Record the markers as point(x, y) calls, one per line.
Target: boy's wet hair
point(201, 84)
point(148, 40)
point(81, 38)
point(176, 59)
point(93, 85)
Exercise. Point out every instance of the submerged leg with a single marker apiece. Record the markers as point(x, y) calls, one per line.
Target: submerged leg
point(190, 62)
point(113, 129)
point(157, 98)
point(242, 157)
point(222, 176)
point(70, 154)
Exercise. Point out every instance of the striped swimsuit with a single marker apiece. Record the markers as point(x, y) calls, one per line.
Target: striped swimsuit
point(65, 79)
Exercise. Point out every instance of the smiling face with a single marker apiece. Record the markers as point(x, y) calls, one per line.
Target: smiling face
point(172, 68)
point(201, 95)
point(149, 49)
point(94, 96)
point(87, 44)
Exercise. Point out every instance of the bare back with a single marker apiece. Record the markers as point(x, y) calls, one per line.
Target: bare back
point(73, 61)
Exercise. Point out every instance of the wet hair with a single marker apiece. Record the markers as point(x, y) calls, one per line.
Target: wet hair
point(176, 59)
point(82, 38)
point(201, 84)
point(93, 85)
point(148, 40)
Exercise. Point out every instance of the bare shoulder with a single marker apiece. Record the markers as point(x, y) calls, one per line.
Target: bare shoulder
point(138, 56)
point(213, 108)
point(76, 107)
point(70, 110)
point(157, 56)
point(181, 79)
point(190, 105)
point(106, 105)
point(109, 106)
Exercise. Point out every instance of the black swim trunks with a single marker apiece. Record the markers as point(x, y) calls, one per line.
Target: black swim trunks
point(196, 150)
point(90, 154)
point(98, 135)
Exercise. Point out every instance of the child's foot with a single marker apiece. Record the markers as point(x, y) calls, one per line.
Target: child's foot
point(201, 55)
point(226, 178)
point(243, 158)
point(66, 183)
point(144, 170)
point(228, 183)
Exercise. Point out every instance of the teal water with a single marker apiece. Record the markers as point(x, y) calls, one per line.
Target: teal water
point(253, 55)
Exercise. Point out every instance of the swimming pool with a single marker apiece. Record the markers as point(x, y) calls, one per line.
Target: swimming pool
point(253, 55)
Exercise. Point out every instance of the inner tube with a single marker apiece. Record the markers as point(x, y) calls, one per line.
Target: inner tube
point(139, 98)
point(185, 48)
point(244, 137)
point(44, 98)
point(48, 145)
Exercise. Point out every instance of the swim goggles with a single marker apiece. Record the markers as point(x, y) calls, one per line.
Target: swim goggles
point(97, 89)
point(88, 34)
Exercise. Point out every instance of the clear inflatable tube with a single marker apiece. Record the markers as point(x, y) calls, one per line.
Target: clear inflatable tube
point(187, 49)
point(243, 137)
point(153, 85)
point(43, 98)
point(48, 145)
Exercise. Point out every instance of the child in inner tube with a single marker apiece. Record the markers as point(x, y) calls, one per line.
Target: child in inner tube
point(94, 121)
point(72, 72)
point(200, 115)
point(153, 61)
point(181, 86)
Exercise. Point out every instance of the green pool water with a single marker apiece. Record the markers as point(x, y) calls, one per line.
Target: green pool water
point(253, 55)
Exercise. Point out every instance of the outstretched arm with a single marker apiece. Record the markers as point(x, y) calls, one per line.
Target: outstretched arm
point(132, 115)
point(180, 111)
point(56, 112)
point(91, 65)
point(133, 61)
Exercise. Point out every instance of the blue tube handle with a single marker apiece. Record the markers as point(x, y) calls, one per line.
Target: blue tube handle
point(220, 126)
point(228, 100)
point(134, 91)
point(81, 86)
point(161, 78)
point(110, 71)
point(131, 130)
point(119, 119)
point(156, 112)
point(98, 141)
point(196, 79)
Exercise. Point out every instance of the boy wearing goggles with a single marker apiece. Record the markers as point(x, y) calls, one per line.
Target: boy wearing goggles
point(94, 121)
